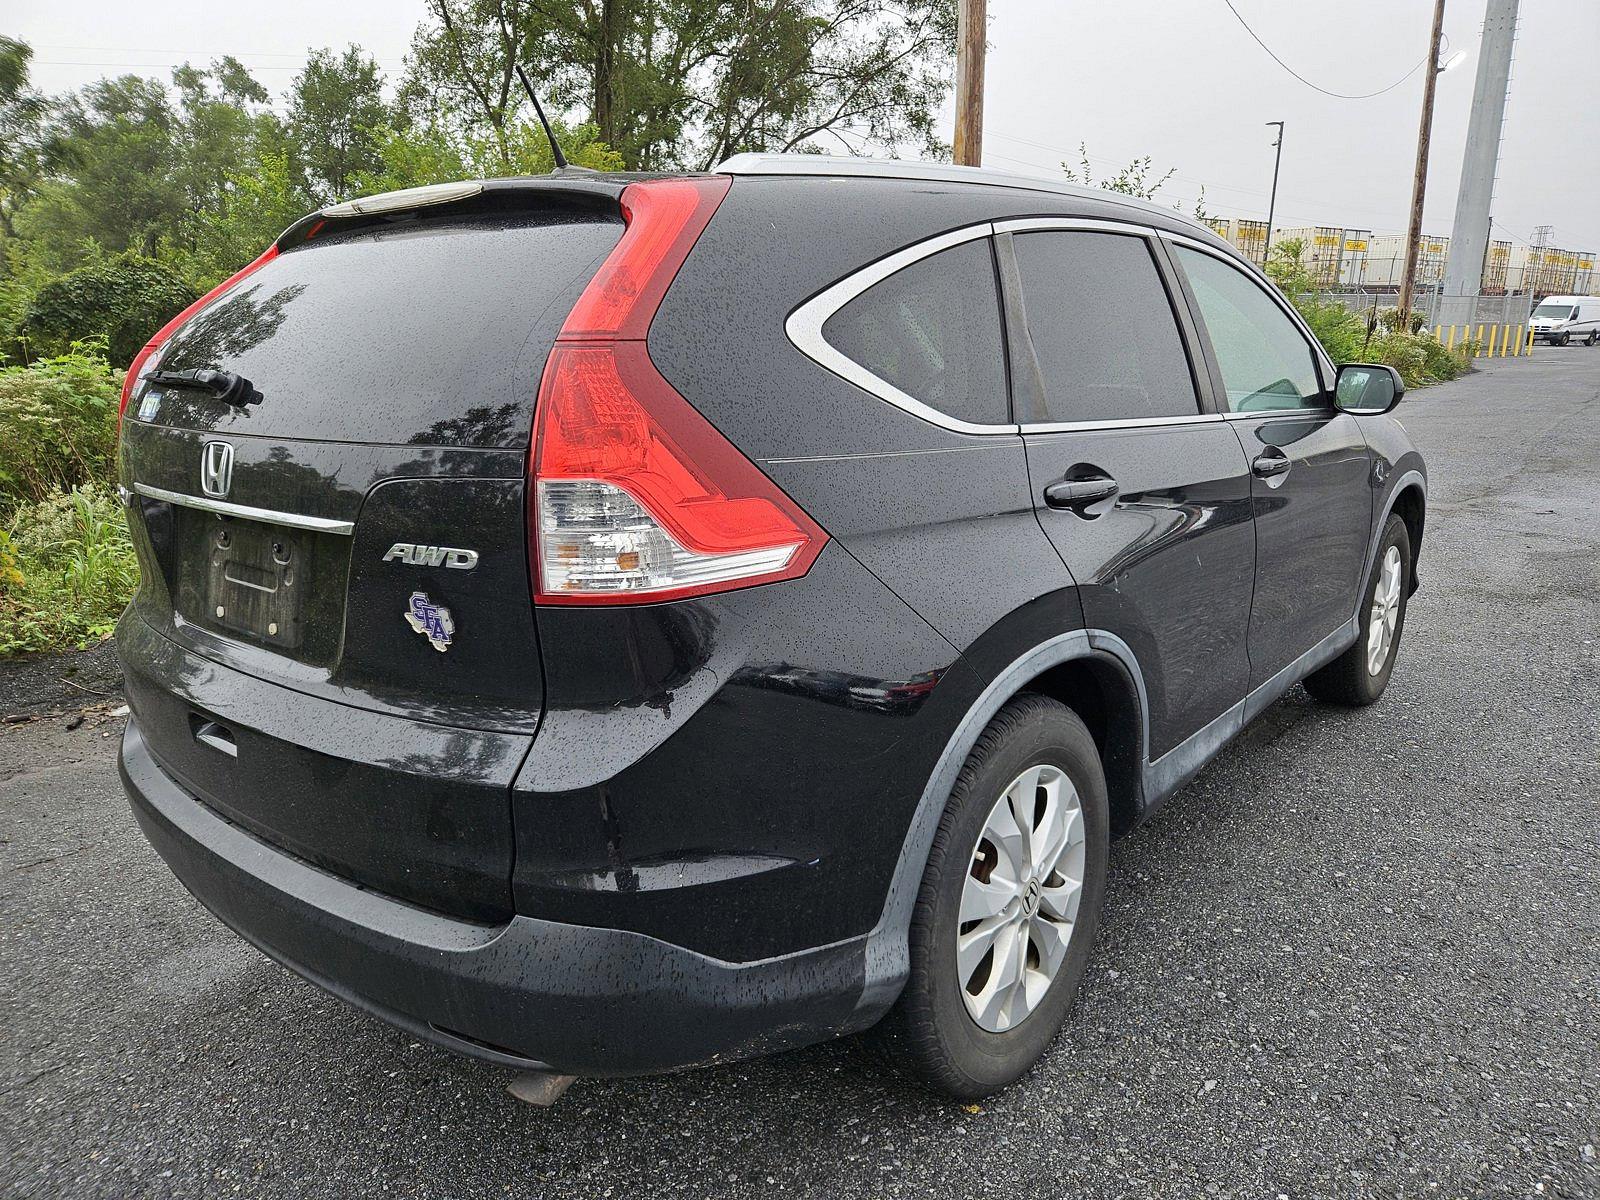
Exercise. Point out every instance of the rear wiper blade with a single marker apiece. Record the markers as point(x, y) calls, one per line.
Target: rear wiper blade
point(223, 385)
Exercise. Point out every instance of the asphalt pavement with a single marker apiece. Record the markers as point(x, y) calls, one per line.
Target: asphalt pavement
point(1358, 956)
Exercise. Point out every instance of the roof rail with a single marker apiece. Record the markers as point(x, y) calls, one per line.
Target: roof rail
point(894, 168)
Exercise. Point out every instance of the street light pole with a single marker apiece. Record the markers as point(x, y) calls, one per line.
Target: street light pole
point(1272, 204)
point(1419, 183)
point(971, 29)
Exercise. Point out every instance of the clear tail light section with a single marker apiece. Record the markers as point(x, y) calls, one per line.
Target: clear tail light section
point(635, 496)
point(142, 363)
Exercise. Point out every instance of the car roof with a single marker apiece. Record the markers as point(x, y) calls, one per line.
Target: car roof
point(892, 168)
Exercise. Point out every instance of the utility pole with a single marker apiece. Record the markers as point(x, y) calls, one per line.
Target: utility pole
point(1469, 237)
point(1272, 204)
point(971, 29)
point(1419, 184)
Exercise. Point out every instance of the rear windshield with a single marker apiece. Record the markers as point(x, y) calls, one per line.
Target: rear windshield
point(431, 333)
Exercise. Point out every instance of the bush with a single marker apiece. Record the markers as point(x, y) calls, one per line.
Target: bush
point(67, 569)
point(123, 299)
point(58, 425)
point(1345, 335)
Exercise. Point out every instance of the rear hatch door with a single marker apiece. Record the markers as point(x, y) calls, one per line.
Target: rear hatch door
point(354, 533)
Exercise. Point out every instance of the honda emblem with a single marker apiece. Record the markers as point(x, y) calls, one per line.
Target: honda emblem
point(216, 469)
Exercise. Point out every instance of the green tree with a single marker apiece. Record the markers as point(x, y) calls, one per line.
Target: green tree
point(336, 112)
point(114, 145)
point(122, 299)
point(22, 112)
point(688, 82)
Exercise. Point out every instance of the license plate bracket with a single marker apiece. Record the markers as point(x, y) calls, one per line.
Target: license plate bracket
point(254, 581)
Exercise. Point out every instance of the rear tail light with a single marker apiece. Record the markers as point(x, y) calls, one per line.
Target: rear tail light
point(636, 497)
point(142, 364)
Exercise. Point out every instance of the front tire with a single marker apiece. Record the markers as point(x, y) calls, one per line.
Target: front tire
point(1360, 675)
point(1006, 914)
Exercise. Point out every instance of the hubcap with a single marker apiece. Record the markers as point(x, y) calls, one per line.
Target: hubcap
point(1385, 614)
point(1020, 899)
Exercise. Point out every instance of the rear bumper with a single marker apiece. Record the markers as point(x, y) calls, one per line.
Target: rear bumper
point(529, 992)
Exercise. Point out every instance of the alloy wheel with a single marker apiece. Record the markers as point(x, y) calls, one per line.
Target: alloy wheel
point(1020, 899)
point(1385, 614)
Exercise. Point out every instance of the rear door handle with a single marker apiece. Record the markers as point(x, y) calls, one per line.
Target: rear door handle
point(1270, 464)
point(1078, 494)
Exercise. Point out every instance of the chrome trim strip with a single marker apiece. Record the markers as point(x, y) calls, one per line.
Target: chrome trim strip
point(1083, 224)
point(1248, 414)
point(1127, 423)
point(224, 509)
point(804, 328)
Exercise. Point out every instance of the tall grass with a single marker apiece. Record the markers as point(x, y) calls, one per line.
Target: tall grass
point(67, 568)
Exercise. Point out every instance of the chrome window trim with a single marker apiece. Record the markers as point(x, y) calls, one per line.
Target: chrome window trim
point(224, 508)
point(1125, 423)
point(1077, 224)
point(804, 328)
point(1254, 413)
point(1254, 273)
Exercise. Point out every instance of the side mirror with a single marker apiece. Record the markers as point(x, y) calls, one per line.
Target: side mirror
point(1368, 388)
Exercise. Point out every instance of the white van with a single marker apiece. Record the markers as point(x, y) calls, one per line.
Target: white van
point(1559, 319)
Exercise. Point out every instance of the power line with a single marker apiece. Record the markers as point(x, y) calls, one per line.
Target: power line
point(1317, 87)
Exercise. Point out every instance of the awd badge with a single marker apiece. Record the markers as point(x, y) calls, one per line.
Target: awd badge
point(430, 619)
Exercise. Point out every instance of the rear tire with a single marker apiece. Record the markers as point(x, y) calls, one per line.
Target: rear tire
point(1592, 338)
point(960, 1025)
point(1360, 675)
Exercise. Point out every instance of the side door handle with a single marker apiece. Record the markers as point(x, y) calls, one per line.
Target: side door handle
point(1079, 494)
point(1271, 463)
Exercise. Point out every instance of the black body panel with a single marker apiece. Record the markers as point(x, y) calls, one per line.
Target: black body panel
point(1168, 566)
point(1313, 528)
point(411, 808)
point(521, 992)
point(705, 766)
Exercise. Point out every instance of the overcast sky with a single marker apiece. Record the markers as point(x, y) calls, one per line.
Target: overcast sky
point(1178, 80)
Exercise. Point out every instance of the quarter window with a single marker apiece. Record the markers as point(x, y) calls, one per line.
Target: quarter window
point(1102, 328)
point(1266, 362)
point(932, 329)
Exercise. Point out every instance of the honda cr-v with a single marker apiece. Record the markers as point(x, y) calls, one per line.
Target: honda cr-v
point(605, 624)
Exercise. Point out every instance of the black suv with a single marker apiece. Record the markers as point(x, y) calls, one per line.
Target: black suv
point(605, 624)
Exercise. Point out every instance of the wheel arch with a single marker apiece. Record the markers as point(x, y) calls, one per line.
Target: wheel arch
point(1095, 675)
point(1098, 688)
point(1410, 504)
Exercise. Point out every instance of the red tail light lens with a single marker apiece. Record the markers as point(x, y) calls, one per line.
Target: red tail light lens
point(141, 361)
point(635, 496)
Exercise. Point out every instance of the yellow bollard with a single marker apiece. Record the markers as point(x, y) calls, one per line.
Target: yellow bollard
point(1479, 354)
point(1531, 342)
point(1438, 333)
point(1517, 349)
point(1493, 329)
point(1505, 342)
point(1451, 344)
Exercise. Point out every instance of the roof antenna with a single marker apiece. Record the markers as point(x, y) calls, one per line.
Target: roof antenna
point(555, 146)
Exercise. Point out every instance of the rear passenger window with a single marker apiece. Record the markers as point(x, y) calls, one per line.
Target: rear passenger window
point(1102, 329)
point(932, 329)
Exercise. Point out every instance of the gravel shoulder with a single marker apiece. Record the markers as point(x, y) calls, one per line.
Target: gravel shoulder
point(1358, 956)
